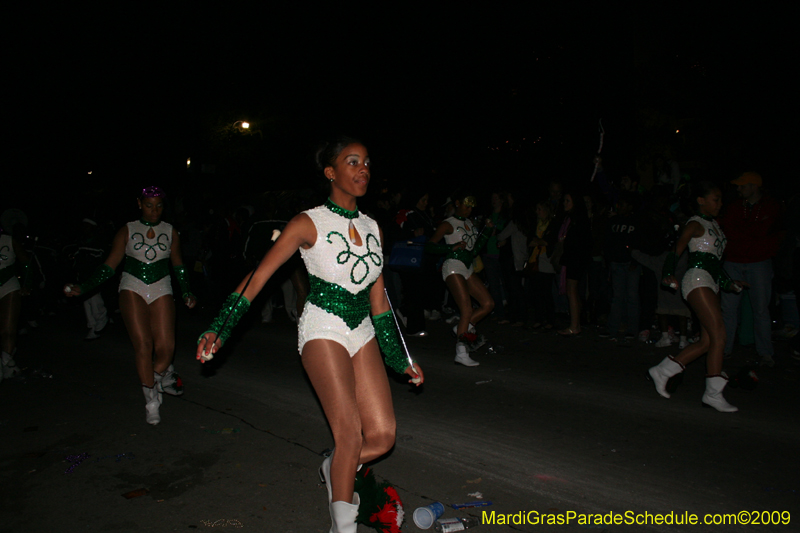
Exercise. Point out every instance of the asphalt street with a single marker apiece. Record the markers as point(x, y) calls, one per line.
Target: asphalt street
point(563, 427)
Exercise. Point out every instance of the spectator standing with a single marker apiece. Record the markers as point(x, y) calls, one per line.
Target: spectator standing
point(752, 228)
point(622, 236)
point(540, 272)
point(491, 256)
point(575, 236)
point(419, 284)
point(513, 243)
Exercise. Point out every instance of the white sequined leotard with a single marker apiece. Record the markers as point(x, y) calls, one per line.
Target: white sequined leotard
point(8, 279)
point(463, 231)
point(147, 261)
point(713, 242)
point(340, 275)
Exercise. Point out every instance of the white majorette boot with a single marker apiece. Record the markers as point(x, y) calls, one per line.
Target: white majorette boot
point(169, 382)
point(343, 515)
point(661, 373)
point(713, 395)
point(462, 356)
point(153, 399)
point(325, 474)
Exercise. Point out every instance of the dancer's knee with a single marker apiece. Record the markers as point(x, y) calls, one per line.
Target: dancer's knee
point(349, 439)
point(380, 441)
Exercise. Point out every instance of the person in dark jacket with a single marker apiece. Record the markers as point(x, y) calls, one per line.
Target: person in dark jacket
point(575, 236)
point(622, 236)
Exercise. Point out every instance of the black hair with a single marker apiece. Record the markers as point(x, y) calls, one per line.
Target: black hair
point(328, 151)
point(701, 189)
point(460, 194)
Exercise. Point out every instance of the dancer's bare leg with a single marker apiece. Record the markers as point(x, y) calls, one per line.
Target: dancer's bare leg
point(162, 326)
point(354, 393)
point(706, 305)
point(460, 291)
point(478, 291)
point(136, 314)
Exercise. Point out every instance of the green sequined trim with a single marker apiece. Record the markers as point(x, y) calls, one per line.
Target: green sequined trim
point(465, 256)
point(351, 308)
point(711, 264)
point(232, 311)
point(670, 263)
point(344, 256)
point(389, 341)
point(4, 257)
point(147, 272)
point(6, 274)
point(101, 274)
point(341, 211)
point(183, 280)
point(705, 217)
point(149, 224)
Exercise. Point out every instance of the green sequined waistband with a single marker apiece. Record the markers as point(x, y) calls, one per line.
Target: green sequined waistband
point(149, 273)
point(352, 308)
point(465, 256)
point(6, 273)
point(708, 262)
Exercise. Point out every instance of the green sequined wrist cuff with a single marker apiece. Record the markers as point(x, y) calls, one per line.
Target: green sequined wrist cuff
point(183, 280)
point(669, 265)
point(465, 256)
point(725, 281)
point(232, 311)
point(389, 342)
point(101, 274)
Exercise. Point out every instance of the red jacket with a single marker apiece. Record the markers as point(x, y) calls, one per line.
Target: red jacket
point(753, 232)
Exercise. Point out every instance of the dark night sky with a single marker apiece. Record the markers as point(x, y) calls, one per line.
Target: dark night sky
point(129, 95)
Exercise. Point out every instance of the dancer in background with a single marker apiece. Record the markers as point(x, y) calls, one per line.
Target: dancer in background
point(148, 246)
point(345, 319)
point(700, 287)
point(462, 243)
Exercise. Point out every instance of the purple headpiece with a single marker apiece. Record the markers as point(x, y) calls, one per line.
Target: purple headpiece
point(153, 191)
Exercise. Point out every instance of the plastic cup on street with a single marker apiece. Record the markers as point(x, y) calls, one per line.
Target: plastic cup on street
point(424, 517)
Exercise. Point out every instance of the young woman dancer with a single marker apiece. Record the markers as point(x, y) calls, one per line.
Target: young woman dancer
point(462, 242)
point(148, 246)
point(337, 339)
point(700, 287)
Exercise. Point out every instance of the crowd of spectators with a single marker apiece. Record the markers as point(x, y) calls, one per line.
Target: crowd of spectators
point(563, 256)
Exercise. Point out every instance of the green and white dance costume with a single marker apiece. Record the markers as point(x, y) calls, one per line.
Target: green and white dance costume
point(705, 259)
point(146, 269)
point(341, 275)
point(460, 261)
